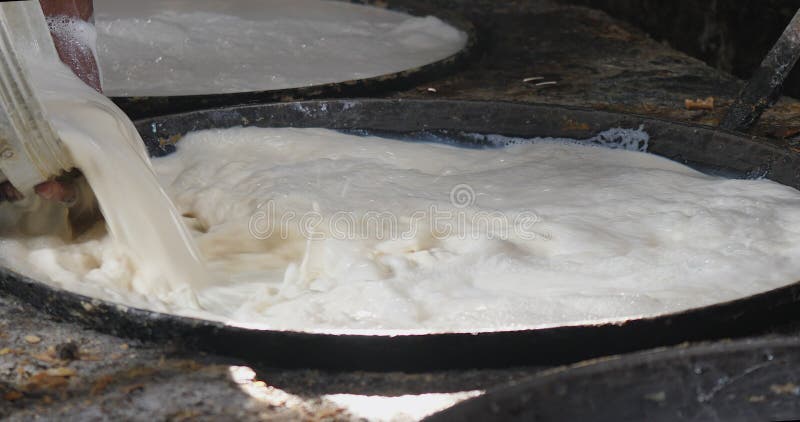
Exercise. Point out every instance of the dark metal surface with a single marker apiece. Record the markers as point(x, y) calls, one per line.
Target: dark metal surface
point(148, 106)
point(694, 145)
point(728, 381)
point(764, 87)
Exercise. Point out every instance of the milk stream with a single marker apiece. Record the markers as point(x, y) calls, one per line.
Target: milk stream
point(106, 147)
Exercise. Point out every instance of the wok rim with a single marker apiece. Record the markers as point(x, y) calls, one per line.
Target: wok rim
point(609, 365)
point(146, 106)
point(127, 321)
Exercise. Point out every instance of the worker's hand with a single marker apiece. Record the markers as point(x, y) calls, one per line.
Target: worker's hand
point(71, 190)
point(57, 190)
point(61, 190)
point(70, 210)
point(81, 60)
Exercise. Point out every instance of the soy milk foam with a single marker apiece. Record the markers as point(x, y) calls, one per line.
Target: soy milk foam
point(317, 230)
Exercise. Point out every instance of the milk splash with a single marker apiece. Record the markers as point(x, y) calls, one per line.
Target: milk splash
point(105, 145)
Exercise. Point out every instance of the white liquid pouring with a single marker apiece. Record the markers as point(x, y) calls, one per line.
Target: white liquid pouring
point(106, 147)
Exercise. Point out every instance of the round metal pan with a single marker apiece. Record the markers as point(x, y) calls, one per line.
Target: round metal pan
point(147, 106)
point(728, 381)
point(715, 151)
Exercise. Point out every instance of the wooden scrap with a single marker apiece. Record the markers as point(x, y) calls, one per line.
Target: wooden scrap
point(32, 339)
point(101, 384)
point(12, 396)
point(699, 104)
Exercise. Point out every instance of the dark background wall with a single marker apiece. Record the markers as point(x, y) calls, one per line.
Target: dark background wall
point(732, 35)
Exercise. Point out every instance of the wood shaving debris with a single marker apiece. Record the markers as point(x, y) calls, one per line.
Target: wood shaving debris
point(786, 132)
point(45, 380)
point(788, 388)
point(91, 357)
point(184, 415)
point(699, 104)
point(131, 388)
point(142, 371)
point(61, 372)
point(12, 396)
point(48, 357)
point(32, 339)
point(101, 384)
point(332, 413)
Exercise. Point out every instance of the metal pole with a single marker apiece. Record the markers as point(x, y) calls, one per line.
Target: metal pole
point(764, 88)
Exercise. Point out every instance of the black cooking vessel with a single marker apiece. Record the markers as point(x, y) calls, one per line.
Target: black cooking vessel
point(147, 106)
point(751, 380)
point(713, 150)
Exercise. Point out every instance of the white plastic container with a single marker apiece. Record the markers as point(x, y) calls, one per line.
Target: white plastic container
point(30, 150)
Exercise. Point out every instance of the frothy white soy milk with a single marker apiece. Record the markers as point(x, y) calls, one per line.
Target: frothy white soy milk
point(154, 253)
point(311, 229)
point(183, 47)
